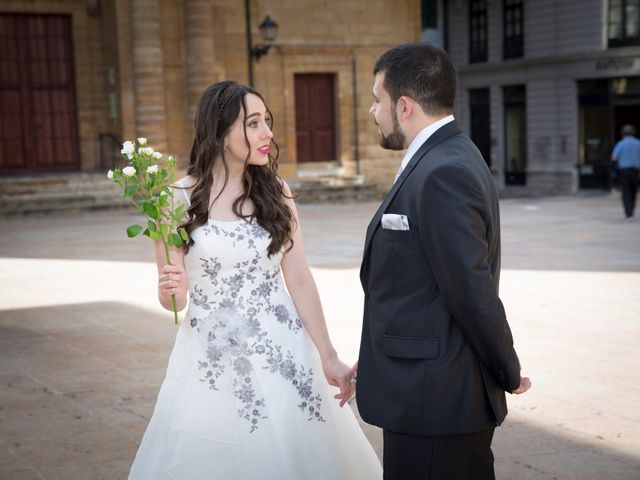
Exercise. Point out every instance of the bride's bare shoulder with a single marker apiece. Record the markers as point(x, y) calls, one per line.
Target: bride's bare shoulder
point(187, 181)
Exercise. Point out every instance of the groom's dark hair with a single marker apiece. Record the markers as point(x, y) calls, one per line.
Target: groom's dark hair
point(422, 72)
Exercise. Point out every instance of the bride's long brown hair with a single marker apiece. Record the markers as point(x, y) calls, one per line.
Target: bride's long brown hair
point(218, 108)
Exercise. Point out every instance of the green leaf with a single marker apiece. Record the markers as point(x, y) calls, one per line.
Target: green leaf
point(151, 211)
point(183, 233)
point(164, 229)
point(133, 230)
point(147, 233)
point(154, 235)
point(130, 190)
point(152, 226)
point(177, 241)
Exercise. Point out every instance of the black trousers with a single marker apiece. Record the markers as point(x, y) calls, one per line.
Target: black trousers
point(629, 186)
point(446, 457)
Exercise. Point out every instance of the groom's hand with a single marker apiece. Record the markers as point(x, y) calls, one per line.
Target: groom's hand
point(525, 384)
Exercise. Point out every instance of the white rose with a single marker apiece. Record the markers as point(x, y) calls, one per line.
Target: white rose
point(129, 171)
point(110, 174)
point(157, 155)
point(152, 169)
point(142, 141)
point(128, 148)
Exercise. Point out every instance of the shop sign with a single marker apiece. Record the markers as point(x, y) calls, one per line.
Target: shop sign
point(615, 64)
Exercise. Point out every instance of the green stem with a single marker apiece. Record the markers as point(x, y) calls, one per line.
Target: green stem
point(173, 297)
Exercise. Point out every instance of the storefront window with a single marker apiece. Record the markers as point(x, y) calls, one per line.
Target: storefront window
point(480, 113)
point(594, 132)
point(515, 125)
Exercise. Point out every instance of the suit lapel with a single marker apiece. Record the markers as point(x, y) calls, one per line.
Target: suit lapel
point(445, 132)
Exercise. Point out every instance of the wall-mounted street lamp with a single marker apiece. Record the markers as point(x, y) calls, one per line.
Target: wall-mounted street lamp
point(268, 32)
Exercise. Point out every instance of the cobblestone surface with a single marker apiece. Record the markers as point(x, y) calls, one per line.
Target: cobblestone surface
point(84, 345)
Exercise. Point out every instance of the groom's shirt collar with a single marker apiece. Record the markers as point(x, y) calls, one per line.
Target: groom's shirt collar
point(422, 137)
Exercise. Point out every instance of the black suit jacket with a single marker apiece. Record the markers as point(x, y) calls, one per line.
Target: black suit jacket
point(436, 355)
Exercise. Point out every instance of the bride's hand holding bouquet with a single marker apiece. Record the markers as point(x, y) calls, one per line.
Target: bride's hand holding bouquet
point(147, 182)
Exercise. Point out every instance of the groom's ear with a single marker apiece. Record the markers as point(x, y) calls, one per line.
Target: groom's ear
point(406, 107)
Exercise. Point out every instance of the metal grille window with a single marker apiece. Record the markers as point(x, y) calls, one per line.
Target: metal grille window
point(513, 41)
point(477, 31)
point(624, 23)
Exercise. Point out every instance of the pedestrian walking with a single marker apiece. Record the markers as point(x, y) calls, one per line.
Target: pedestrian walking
point(626, 154)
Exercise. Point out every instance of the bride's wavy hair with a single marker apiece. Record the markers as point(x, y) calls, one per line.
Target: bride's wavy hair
point(217, 110)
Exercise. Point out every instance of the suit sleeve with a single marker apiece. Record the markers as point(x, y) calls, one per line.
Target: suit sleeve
point(453, 232)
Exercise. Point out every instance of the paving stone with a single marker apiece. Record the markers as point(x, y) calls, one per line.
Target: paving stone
point(84, 345)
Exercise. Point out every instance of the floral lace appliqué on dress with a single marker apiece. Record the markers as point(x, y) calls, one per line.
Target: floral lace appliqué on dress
point(233, 304)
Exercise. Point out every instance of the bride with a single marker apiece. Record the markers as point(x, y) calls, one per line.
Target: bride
point(244, 396)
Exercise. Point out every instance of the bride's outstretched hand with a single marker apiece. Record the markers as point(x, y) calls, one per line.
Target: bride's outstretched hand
point(339, 375)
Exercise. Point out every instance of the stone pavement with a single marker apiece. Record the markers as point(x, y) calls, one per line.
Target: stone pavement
point(84, 346)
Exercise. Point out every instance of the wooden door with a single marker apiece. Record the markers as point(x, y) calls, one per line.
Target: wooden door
point(315, 117)
point(38, 124)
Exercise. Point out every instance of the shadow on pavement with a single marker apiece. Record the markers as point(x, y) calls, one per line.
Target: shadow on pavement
point(78, 384)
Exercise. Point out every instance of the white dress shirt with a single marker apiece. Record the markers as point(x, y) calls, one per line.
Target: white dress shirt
point(420, 138)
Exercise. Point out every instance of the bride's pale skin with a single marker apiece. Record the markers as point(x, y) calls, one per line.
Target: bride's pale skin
point(172, 279)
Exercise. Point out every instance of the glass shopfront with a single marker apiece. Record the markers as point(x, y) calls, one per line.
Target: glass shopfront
point(604, 107)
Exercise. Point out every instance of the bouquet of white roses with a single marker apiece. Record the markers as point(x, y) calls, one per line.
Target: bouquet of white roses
point(149, 186)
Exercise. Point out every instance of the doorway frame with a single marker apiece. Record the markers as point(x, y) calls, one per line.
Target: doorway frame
point(336, 60)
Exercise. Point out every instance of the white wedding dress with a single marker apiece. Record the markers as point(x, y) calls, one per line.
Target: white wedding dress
point(244, 395)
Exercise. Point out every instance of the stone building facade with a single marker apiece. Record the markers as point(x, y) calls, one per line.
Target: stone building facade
point(545, 86)
point(137, 68)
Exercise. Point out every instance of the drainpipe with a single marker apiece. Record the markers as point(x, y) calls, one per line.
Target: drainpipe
point(356, 138)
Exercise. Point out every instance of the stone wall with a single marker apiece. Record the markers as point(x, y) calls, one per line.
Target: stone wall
point(141, 66)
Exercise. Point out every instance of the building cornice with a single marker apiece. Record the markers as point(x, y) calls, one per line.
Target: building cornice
point(631, 53)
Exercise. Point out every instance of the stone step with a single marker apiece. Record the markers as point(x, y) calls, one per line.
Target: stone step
point(89, 191)
point(333, 188)
point(58, 192)
point(30, 189)
point(338, 193)
point(51, 202)
point(55, 183)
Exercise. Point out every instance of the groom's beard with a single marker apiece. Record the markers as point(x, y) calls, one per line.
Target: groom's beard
point(395, 140)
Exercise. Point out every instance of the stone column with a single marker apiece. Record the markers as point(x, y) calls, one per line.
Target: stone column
point(172, 23)
point(148, 73)
point(201, 65)
point(125, 69)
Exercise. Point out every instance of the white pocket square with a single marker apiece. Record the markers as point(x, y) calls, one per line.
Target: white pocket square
point(394, 221)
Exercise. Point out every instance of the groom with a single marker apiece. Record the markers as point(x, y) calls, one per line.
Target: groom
point(437, 355)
